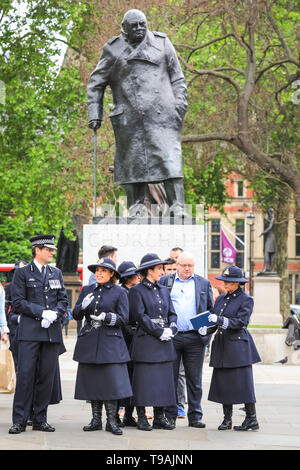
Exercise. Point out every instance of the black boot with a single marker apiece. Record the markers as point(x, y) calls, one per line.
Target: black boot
point(142, 423)
point(227, 421)
point(250, 421)
point(96, 423)
point(128, 419)
point(160, 421)
point(111, 423)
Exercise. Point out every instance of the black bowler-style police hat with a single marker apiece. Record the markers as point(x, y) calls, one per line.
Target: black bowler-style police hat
point(104, 262)
point(149, 261)
point(43, 240)
point(127, 268)
point(232, 274)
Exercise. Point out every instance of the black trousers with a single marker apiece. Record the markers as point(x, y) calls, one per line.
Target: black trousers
point(37, 364)
point(191, 349)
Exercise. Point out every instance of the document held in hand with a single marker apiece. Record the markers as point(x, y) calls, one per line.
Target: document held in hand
point(201, 320)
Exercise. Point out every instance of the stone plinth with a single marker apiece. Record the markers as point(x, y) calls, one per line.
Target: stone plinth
point(135, 238)
point(266, 301)
point(270, 343)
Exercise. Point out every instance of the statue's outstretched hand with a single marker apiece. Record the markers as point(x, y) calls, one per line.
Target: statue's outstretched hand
point(95, 124)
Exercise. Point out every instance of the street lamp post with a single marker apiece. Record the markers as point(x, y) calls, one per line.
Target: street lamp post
point(251, 220)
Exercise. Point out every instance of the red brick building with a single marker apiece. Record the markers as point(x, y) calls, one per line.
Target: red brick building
point(236, 223)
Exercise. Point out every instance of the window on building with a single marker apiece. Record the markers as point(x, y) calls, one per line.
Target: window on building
point(240, 232)
point(240, 188)
point(297, 238)
point(294, 288)
point(215, 243)
point(297, 289)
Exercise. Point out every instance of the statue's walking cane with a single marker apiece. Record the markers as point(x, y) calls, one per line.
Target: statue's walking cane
point(95, 172)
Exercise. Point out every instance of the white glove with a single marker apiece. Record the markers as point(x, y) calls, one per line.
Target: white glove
point(100, 317)
point(166, 335)
point(87, 300)
point(203, 330)
point(213, 318)
point(45, 323)
point(50, 315)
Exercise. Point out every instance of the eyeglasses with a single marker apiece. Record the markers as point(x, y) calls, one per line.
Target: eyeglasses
point(189, 266)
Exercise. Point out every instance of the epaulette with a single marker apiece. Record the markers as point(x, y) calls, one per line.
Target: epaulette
point(113, 39)
point(162, 35)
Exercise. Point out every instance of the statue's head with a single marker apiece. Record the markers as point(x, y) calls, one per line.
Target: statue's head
point(134, 26)
point(270, 212)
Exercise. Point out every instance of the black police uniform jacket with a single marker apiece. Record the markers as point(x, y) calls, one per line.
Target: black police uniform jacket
point(233, 346)
point(130, 328)
point(31, 295)
point(104, 344)
point(147, 302)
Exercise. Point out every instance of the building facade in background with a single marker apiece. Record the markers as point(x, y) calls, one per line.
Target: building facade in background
point(237, 224)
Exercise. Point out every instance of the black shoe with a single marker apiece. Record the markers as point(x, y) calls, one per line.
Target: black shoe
point(227, 421)
point(95, 425)
point(96, 422)
point(111, 407)
point(143, 424)
point(42, 427)
point(129, 421)
point(113, 428)
point(161, 422)
point(196, 424)
point(172, 421)
point(17, 428)
point(249, 423)
point(225, 425)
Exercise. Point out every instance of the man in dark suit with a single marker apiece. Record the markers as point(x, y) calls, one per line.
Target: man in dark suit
point(190, 294)
point(39, 296)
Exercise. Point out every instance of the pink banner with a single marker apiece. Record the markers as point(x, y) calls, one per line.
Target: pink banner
point(228, 250)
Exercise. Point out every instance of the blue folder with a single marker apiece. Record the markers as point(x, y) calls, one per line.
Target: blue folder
point(201, 320)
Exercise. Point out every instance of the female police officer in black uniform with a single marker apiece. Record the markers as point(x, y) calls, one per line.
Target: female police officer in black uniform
point(101, 351)
point(233, 351)
point(152, 350)
point(128, 279)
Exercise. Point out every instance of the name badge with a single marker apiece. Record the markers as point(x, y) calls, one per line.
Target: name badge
point(54, 284)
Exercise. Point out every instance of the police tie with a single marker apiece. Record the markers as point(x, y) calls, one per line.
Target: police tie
point(43, 272)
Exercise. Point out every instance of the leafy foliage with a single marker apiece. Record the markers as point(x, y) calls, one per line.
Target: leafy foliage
point(40, 109)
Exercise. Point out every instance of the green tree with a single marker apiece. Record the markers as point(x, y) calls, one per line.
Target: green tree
point(40, 108)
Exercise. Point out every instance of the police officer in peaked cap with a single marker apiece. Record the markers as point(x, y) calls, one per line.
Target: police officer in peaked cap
point(102, 375)
point(39, 296)
point(152, 350)
point(129, 277)
point(233, 351)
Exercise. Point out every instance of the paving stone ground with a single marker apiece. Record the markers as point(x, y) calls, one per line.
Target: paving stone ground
point(278, 410)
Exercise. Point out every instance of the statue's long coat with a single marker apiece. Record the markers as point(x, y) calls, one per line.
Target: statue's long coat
point(149, 94)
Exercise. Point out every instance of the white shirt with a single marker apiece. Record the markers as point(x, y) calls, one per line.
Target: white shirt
point(38, 265)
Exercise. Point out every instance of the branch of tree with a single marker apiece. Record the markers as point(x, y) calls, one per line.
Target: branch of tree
point(280, 36)
point(251, 59)
point(207, 137)
point(213, 41)
point(280, 62)
point(2, 15)
point(213, 73)
point(68, 44)
point(291, 80)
